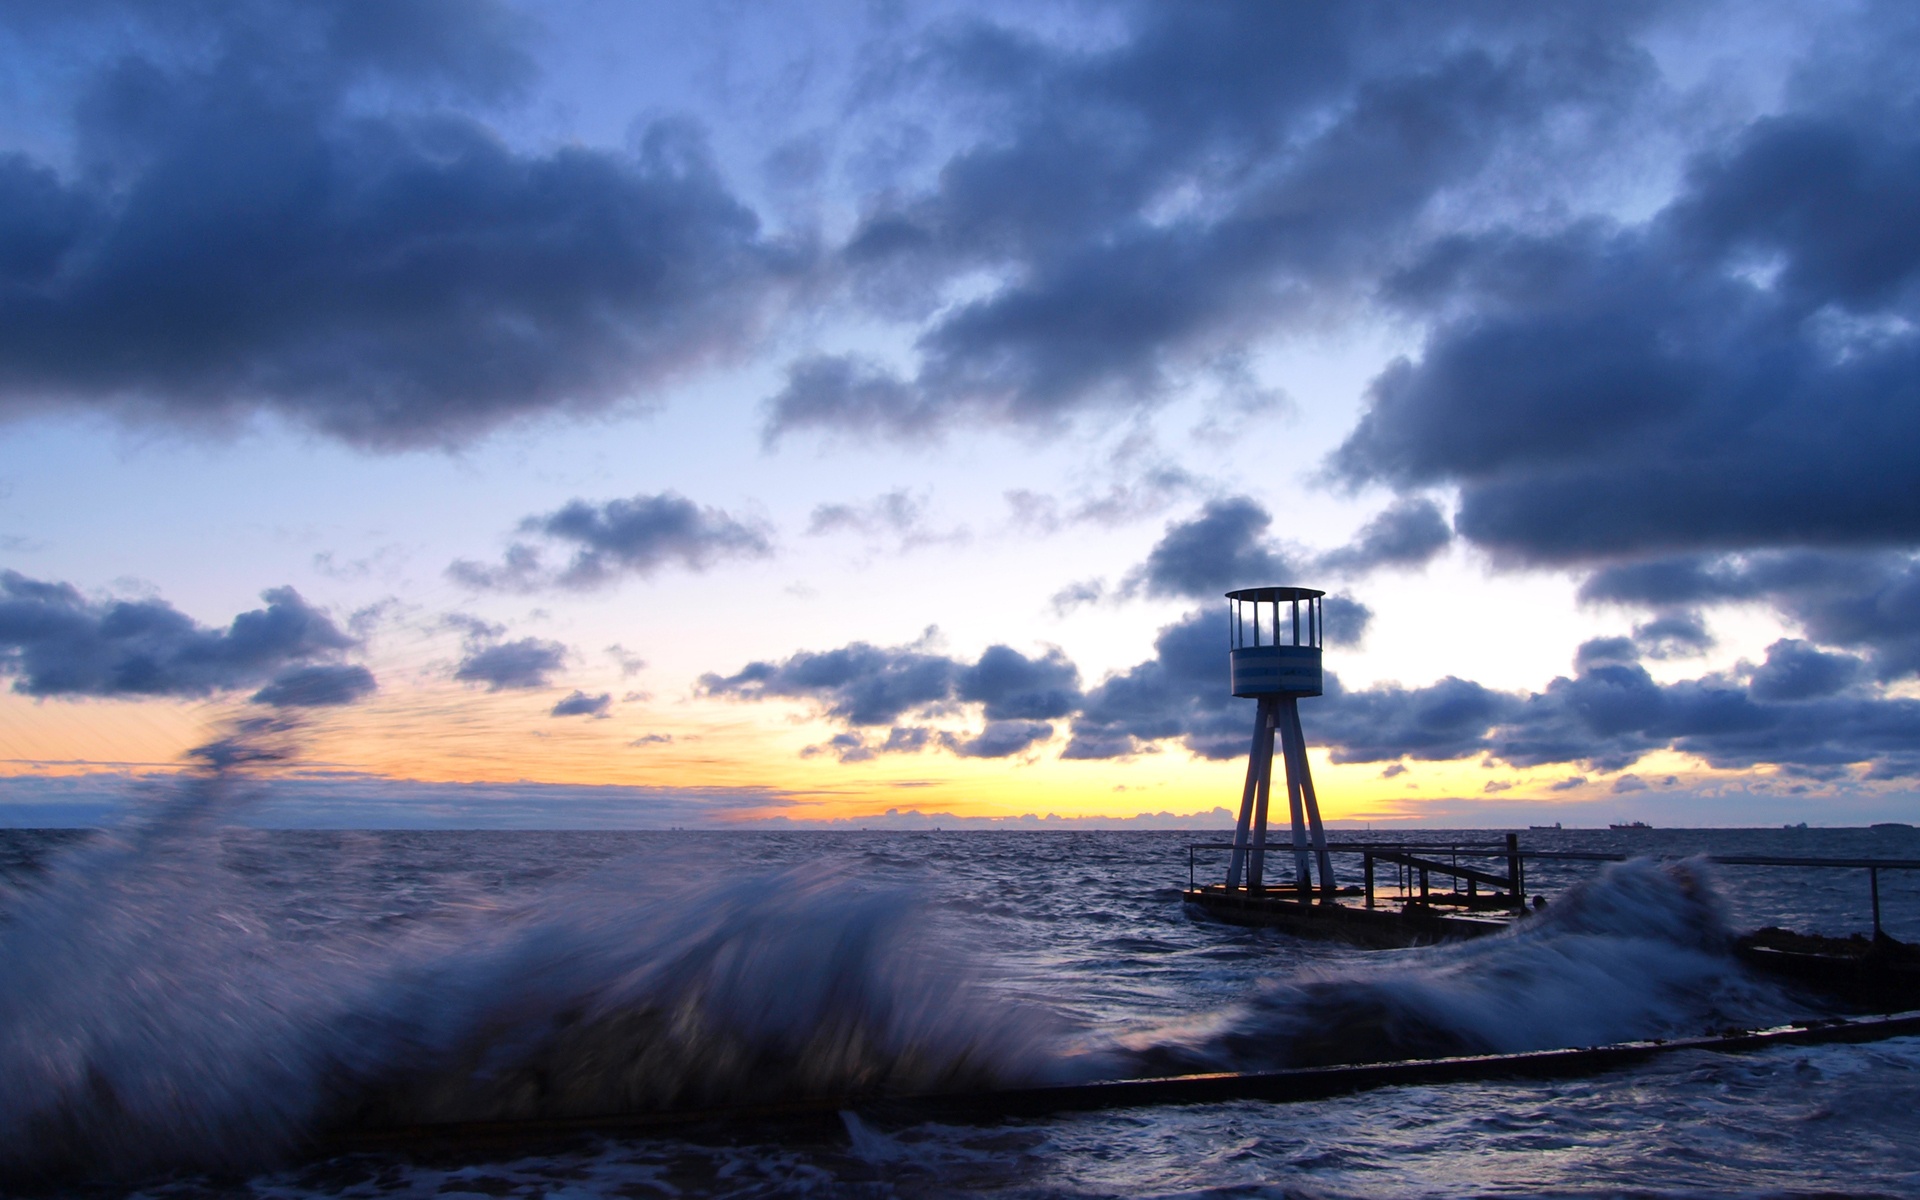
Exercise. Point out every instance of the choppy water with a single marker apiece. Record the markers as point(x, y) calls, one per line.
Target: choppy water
point(183, 1004)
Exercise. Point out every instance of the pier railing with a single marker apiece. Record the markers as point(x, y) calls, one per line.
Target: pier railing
point(1420, 862)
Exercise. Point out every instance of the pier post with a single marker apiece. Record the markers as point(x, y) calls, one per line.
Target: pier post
point(1516, 871)
point(1873, 884)
point(1366, 873)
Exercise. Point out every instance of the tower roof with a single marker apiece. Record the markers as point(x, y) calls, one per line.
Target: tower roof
point(1272, 594)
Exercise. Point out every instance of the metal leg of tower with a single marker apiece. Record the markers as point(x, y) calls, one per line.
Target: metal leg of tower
point(1241, 830)
point(1263, 761)
point(1289, 730)
point(1292, 717)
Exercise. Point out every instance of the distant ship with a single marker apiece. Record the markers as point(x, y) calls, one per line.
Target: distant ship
point(1632, 825)
point(1555, 825)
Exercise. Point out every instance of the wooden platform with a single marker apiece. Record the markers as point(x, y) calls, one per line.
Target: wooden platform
point(1347, 918)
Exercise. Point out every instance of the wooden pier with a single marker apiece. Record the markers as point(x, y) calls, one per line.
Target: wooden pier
point(1472, 901)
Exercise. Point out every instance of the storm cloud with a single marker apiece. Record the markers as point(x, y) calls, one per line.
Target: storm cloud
point(634, 536)
point(1740, 372)
point(286, 208)
point(55, 642)
point(1212, 174)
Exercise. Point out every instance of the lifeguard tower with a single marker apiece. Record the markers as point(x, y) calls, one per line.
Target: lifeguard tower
point(1274, 636)
point(1273, 640)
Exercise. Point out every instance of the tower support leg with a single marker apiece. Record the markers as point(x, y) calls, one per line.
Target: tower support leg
point(1284, 709)
point(1296, 742)
point(1243, 828)
point(1263, 760)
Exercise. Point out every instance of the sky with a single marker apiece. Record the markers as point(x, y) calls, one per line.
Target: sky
point(851, 414)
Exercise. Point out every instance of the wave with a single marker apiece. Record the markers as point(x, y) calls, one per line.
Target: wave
point(1642, 950)
point(158, 1013)
point(173, 995)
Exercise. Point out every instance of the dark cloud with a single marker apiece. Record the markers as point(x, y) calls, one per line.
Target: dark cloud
point(318, 686)
point(1206, 177)
point(524, 664)
point(1180, 693)
point(56, 642)
point(1446, 720)
point(851, 395)
point(1736, 373)
point(1346, 620)
point(1222, 548)
point(1795, 670)
point(1226, 546)
point(860, 684)
point(864, 686)
point(634, 536)
point(1000, 739)
point(282, 208)
point(579, 704)
point(1009, 685)
point(1804, 709)
point(1863, 602)
point(1673, 635)
point(1409, 533)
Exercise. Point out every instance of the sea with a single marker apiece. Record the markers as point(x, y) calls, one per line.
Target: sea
point(190, 1007)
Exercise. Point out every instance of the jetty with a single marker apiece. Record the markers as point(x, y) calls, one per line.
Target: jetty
point(1274, 637)
point(1416, 893)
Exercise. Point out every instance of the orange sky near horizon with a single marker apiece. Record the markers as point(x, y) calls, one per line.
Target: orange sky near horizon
point(452, 735)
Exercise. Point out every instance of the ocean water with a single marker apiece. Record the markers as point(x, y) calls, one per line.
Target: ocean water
point(187, 1007)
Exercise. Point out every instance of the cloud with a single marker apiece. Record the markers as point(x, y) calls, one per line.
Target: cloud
point(1179, 693)
point(1009, 685)
point(630, 664)
point(56, 642)
point(579, 704)
point(1804, 709)
point(1226, 546)
point(285, 208)
point(1795, 670)
point(865, 686)
point(1222, 548)
point(1735, 373)
point(860, 684)
point(521, 665)
point(636, 536)
point(1408, 533)
point(318, 686)
point(1866, 602)
point(1000, 739)
point(1077, 595)
point(898, 515)
point(1197, 178)
point(1142, 493)
point(848, 394)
